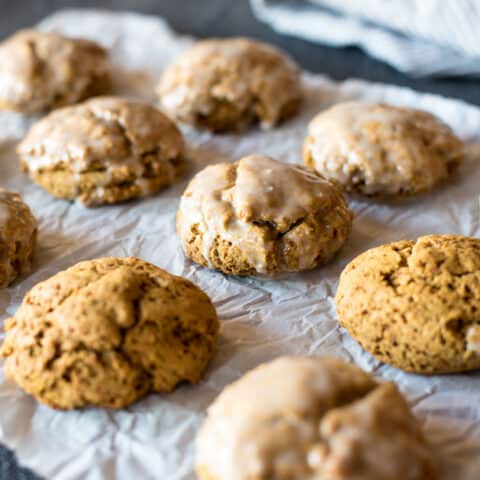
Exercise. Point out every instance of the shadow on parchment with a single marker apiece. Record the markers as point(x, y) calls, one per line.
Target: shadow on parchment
point(234, 357)
point(9, 164)
point(455, 445)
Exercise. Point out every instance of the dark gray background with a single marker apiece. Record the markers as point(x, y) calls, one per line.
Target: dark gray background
point(205, 18)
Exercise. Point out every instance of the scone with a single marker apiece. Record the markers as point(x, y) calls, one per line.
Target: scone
point(103, 151)
point(311, 418)
point(416, 304)
point(18, 235)
point(40, 71)
point(260, 216)
point(106, 332)
point(228, 84)
point(378, 149)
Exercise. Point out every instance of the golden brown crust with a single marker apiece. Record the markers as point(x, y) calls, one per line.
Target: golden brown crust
point(18, 235)
point(103, 151)
point(259, 216)
point(379, 149)
point(416, 305)
point(302, 418)
point(105, 332)
point(228, 84)
point(40, 71)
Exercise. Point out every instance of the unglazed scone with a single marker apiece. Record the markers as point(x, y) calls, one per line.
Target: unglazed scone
point(311, 418)
point(416, 304)
point(106, 332)
point(228, 84)
point(379, 149)
point(105, 150)
point(260, 216)
point(40, 71)
point(18, 235)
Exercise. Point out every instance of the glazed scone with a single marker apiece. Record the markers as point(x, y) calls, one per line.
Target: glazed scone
point(40, 71)
point(416, 304)
point(378, 149)
point(311, 418)
point(18, 235)
point(105, 150)
point(228, 84)
point(106, 332)
point(260, 216)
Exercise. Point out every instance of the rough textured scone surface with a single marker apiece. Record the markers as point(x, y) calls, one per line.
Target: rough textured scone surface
point(311, 418)
point(40, 71)
point(106, 332)
point(105, 150)
point(228, 84)
point(416, 305)
point(260, 216)
point(18, 235)
point(378, 149)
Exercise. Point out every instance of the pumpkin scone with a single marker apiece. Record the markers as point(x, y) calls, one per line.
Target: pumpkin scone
point(40, 71)
point(379, 149)
point(106, 332)
point(228, 84)
point(416, 304)
point(18, 235)
point(103, 151)
point(260, 216)
point(311, 418)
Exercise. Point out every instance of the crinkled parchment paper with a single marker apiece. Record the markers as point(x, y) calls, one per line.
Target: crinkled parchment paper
point(261, 319)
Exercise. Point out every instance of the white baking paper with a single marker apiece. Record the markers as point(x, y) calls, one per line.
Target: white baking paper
point(261, 319)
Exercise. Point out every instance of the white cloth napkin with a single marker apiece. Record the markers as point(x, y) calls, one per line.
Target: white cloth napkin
point(417, 37)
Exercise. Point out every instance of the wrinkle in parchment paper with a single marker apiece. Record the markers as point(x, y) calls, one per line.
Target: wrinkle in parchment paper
point(261, 319)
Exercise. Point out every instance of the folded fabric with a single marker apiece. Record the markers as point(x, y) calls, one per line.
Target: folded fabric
point(418, 37)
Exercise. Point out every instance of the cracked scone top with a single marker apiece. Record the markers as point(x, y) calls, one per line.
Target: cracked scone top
point(416, 304)
point(106, 332)
point(311, 418)
point(40, 71)
point(18, 234)
point(105, 150)
point(227, 84)
point(260, 216)
point(379, 149)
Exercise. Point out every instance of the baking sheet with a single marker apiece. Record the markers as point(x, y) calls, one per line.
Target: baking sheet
point(261, 319)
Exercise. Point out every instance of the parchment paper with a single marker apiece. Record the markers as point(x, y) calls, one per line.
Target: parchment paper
point(261, 319)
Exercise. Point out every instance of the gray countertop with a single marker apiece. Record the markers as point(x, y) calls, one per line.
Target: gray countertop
point(204, 18)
